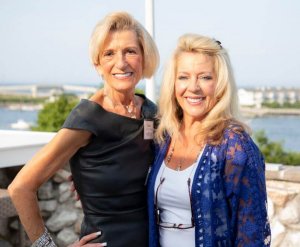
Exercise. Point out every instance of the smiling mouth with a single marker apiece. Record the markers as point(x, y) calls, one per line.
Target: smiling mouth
point(123, 75)
point(195, 100)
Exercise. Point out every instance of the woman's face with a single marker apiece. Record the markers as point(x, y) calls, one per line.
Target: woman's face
point(121, 62)
point(195, 84)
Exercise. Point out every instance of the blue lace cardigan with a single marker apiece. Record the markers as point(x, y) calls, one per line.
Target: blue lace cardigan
point(229, 201)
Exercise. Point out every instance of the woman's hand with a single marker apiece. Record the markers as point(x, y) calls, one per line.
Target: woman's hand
point(84, 241)
point(73, 189)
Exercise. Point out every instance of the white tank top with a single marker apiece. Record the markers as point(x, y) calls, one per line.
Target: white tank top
point(174, 204)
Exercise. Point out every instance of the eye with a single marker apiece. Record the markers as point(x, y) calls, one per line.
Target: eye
point(206, 78)
point(131, 51)
point(182, 77)
point(108, 53)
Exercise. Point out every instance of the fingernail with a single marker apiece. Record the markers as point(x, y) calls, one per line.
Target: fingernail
point(104, 244)
point(98, 233)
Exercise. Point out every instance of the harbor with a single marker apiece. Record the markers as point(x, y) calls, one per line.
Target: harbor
point(264, 111)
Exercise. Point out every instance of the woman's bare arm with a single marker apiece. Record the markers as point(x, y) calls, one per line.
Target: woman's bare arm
point(38, 170)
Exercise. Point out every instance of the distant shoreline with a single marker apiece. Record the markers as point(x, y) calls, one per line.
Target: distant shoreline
point(21, 106)
point(258, 112)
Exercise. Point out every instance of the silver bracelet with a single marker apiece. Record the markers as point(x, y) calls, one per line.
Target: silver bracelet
point(44, 241)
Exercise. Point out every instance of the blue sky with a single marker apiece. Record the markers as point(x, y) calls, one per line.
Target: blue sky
point(44, 41)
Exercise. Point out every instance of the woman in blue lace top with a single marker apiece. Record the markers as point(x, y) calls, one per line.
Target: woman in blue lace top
point(207, 184)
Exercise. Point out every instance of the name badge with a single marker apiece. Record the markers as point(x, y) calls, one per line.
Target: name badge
point(148, 129)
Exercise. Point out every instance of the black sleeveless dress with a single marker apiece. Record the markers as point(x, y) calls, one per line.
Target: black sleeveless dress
point(110, 173)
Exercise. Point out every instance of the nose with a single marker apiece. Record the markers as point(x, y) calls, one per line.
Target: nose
point(121, 61)
point(194, 84)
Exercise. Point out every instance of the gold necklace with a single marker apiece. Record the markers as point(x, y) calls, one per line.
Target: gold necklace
point(130, 108)
point(181, 160)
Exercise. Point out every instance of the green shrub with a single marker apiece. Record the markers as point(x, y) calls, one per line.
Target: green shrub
point(53, 115)
point(274, 152)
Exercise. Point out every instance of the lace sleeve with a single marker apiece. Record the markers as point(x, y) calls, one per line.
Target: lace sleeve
point(246, 192)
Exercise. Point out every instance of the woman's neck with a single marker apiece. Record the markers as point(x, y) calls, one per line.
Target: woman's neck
point(119, 98)
point(189, 132)
point(123, 104)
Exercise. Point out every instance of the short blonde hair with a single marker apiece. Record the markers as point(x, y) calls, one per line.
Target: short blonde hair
point(224, 112)
point(119, 21)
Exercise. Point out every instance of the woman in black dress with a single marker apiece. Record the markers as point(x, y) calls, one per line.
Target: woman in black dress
point(108, 140)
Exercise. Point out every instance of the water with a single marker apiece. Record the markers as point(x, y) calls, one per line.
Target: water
point(277, 128)
point(7, 117)
point(284, 129)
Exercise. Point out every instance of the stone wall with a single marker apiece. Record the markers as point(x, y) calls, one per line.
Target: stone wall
point(63, 214)
point(283, 188)
point(61, 211)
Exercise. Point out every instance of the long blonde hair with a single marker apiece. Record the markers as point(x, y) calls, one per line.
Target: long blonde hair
point(225, 111)
point(120, 21)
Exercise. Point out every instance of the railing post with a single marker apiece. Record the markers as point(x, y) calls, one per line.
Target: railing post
point(149, 24)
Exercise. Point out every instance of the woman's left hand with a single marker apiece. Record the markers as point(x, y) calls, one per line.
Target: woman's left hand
point(73, 189)
point(84, 241)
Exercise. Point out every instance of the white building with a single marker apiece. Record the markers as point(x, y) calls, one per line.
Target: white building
point(257, 96)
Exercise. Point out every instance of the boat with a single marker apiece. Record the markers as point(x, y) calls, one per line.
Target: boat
point(20, 125)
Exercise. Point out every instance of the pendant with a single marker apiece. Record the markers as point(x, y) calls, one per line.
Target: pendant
point(178, 168)
point(129, 109)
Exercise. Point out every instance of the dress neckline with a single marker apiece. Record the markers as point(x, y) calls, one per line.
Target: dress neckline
point(118, 115)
